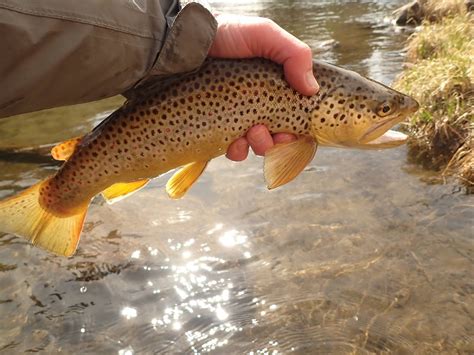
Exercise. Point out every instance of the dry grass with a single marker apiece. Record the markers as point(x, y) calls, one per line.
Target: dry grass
point(462, 165)
point(436, 10)
point(441, 78)
point(440, 40)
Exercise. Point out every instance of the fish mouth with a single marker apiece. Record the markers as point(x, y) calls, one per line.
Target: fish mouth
point(389, 139)
point(380, 128)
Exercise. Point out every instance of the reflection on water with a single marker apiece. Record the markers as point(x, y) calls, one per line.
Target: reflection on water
point(358, 255)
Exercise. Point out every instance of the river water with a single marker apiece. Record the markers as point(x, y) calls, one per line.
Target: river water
point(362, 254)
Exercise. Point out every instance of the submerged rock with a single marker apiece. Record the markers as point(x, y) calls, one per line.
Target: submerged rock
point(469, 5)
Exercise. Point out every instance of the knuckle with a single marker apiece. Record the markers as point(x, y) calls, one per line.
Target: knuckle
point(305, 49)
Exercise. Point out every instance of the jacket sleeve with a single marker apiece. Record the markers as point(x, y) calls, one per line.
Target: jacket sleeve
point(63, 52)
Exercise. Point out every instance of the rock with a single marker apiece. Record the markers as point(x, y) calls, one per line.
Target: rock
point(469, 5)
point(410, 14)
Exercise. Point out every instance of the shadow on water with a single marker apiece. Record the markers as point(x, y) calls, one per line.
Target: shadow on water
point(358, 255)
point(37, 156)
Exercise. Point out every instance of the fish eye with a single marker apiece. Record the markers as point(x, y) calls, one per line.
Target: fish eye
point(384, 109)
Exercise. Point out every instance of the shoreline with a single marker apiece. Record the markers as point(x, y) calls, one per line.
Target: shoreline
point(439, 74)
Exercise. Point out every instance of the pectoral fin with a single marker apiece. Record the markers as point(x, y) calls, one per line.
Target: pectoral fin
point(121, 190)
point(389, 139)
point(284, 162)
point(184, 178)
point(64, 150)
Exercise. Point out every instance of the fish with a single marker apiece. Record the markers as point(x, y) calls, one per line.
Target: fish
point(186, 121)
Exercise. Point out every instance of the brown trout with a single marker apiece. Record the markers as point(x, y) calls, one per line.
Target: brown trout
point(187, 122)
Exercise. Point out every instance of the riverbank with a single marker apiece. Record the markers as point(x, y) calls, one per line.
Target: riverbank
point(440, 75)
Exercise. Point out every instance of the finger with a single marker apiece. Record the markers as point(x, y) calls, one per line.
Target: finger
point(259, 139)
point(238, 150)
point(279, 138)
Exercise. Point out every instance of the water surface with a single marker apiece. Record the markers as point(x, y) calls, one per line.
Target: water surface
point(361, 254)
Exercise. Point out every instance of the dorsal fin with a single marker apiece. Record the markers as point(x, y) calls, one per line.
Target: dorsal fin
point(64, 150)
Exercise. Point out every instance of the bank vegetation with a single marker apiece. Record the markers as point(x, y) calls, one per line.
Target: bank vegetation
point(440, 75)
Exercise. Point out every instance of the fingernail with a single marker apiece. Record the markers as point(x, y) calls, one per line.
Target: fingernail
point(311, 81)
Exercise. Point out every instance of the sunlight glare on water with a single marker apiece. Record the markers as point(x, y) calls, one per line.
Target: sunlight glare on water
point(232, 238)
point(190, 283)
point(129, 312)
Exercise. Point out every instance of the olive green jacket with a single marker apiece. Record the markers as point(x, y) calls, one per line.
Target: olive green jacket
point(63, 52)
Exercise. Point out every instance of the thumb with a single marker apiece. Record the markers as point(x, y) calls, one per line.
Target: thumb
point(298, 68)
point(247, 36)
point(274, 43)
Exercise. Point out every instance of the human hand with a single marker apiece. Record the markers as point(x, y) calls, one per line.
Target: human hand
point(247, 37)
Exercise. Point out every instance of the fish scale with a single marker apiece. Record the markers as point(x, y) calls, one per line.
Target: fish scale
point(193, 119)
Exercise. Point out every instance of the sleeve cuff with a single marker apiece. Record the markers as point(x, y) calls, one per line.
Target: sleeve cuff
point(190, 35)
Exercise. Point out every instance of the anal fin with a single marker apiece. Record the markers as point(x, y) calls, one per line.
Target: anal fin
point(284, 162)
point(184, 178)
point(121, 190)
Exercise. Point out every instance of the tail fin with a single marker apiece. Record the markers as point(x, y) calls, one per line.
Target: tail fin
point(23, 215)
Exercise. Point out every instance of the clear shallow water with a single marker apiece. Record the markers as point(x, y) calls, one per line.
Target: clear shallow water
point(361, 254)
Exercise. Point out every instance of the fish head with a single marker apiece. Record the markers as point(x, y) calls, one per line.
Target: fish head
point(353, 111)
